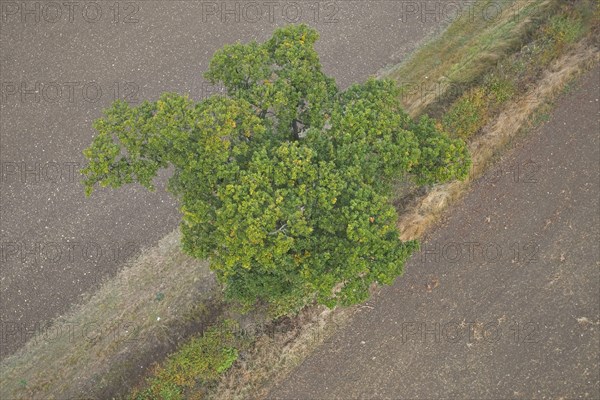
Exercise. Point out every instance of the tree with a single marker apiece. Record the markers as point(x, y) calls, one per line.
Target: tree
point(284, 183)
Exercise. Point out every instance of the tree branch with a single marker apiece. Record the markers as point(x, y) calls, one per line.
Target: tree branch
point(278, 230)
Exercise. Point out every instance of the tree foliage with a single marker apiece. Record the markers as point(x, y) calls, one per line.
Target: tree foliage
point(284, 183)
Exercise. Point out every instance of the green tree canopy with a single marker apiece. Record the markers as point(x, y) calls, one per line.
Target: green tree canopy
point(284, 184)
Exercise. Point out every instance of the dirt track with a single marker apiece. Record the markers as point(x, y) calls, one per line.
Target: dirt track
point(503, 301)
point(60, 67)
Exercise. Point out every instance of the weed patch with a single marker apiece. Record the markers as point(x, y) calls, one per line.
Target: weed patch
point(198, 363)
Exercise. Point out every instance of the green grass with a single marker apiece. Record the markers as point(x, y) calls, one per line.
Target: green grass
point(468, 114)
point(564, 29)
point(510, 76)
point(469, 48)
point(501, 89)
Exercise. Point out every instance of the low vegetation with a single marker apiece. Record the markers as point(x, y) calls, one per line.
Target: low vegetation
point(512, 75)
point(198, 362)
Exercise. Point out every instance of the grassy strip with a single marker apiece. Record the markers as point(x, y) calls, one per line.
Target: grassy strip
point(558, 47)
point(503, 80)
point(445, 67)
point(511, 76)
point(233, 360)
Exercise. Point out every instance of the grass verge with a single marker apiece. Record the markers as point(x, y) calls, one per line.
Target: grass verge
point(445, 67)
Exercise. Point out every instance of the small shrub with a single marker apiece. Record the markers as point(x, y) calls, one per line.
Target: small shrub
point(201, 360)
point(499, 89)
point(564, 30)
point(467, 114)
